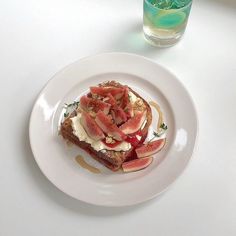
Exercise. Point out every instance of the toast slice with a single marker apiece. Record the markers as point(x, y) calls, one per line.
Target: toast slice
point(123, 112)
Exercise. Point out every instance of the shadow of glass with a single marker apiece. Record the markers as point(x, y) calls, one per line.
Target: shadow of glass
point(132, 40)
point(60, 198)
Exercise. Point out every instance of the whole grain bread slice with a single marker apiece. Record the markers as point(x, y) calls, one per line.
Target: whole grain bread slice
point(111, 159)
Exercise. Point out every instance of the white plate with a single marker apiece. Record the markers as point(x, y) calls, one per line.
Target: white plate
point(152, 82)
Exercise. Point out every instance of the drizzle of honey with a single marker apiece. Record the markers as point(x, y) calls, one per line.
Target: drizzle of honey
point(80, 160)
point(69, 144)
point(157, 107)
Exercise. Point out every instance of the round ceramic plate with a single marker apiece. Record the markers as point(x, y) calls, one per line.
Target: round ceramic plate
point(153, 83)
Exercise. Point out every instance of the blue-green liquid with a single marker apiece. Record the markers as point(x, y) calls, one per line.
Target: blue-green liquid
point(170, 4)
point(166, 14)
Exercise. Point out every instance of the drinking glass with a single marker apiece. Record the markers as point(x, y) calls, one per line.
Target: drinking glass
point(164, 21)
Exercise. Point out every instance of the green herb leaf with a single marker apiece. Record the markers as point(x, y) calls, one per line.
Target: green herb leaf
point(75, 103)
point(68, 107)
point(163, 126)
point(156, 134)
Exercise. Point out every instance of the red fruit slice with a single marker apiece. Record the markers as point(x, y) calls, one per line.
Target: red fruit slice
point(150, 148)
point(137, 164)
point(125, 99)
point(126, 105)
point(118, 115)
point(134, 123)
point(107, 125)
point(110, 99)
point(90, 126)
point(129, 110)
point(84, 102)
point(95, 105)
point(103, 91)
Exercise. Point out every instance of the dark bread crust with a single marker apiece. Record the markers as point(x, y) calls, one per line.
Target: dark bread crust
point(111, 159)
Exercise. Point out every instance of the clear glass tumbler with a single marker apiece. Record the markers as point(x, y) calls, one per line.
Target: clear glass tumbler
point(164, 21)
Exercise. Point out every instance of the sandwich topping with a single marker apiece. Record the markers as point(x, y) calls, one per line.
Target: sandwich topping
point(108, 118)
point(114, 120)
point(98, 145)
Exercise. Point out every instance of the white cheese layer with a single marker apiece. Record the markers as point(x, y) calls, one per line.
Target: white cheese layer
point(132, 97)
point(81, 134)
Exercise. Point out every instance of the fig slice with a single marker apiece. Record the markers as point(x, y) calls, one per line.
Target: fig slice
point(134, 123)
point(110, 99)
point(91, 127)
point(106, 124)
point(129, 110)
point(117, 93)
point(125, 103)
point(150, 148)
point(136, 164)
point(125, 98)
point(91, 104)
point(118, 115)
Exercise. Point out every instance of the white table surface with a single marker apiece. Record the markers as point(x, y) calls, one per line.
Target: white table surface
point(38, 38)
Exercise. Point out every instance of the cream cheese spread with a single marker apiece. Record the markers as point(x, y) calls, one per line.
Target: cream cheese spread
point(81, 134)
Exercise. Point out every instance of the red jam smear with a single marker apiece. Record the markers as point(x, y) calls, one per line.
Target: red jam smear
point(132, 156)
point(111, 145)
point(133, 140)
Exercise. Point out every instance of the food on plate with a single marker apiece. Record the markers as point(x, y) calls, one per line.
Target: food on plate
point(80, 160)
point(150, 148)
point(111, 122)
point(136, 164)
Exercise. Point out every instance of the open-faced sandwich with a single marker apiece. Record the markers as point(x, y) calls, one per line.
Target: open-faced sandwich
point(111, 123)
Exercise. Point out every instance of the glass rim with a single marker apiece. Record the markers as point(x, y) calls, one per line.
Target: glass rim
point(147, 1)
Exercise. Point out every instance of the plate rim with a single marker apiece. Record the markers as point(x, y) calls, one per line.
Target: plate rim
point(121, 54)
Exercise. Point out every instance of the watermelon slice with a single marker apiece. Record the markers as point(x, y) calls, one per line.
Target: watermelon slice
point(91, 127)
point(134, 123)
point(91, 104)
point(117, 93)
point(137, 164)
point(118, 115)
point(107, 125)
point(150, 148)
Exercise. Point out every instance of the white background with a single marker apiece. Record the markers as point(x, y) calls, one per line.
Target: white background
point(38, 38)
